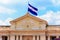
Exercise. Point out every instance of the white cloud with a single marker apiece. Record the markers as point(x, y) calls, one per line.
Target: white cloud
point(12, 1)
point(56, 2)
point(53, 18)
point(6, 22)
point(6, 10)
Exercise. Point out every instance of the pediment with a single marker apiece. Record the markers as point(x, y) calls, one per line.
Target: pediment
point(31, 17)
point(28, 22)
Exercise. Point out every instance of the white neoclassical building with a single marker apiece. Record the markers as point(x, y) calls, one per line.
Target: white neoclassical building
point(29, 27)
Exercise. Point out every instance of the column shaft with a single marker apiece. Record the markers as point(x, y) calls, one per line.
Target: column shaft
point(42, 37)
point(12, 37)
point(8, 37)
point(16, 37)
point(57, 36)
point(20, 37)
point(38, 37)
point(0, 37)
point(33, 37)
point(48, 37)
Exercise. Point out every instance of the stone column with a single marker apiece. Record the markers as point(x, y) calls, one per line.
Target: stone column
point(8, 37)
point(0, 37)
point(37, 37)
point(12, 37)
point(42, 37)
point(20, 37)
point(33, 37)
point(57, 36)
point(48, 37)
point(16, 37)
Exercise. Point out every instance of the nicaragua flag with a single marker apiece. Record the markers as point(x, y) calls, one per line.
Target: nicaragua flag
point(32, 9)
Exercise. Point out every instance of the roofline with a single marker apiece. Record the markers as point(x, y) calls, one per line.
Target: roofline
point(53, 25)
point(29, 15)
point(4, 25)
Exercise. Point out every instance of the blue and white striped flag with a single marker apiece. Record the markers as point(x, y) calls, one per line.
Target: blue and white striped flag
point(32, 9)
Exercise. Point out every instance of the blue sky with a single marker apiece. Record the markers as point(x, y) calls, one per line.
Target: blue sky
point(48, 10)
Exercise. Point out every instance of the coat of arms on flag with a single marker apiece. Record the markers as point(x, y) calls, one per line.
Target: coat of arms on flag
point(32, 9)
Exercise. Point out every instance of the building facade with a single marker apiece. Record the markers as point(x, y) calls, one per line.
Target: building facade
point(29, 27)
